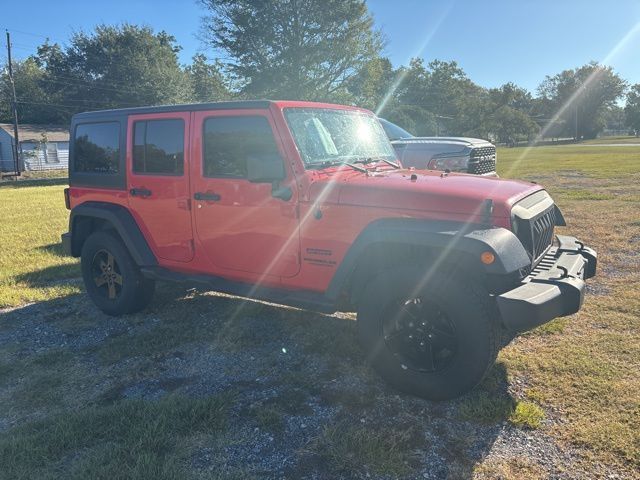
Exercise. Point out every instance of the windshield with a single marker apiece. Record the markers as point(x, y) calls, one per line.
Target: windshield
point(393, 131)
point(326, 135)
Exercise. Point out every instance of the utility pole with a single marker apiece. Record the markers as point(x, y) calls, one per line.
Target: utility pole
point(14, 107)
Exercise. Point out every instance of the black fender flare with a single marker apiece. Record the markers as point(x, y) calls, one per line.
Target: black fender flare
point(121, 220)
point(451, 237)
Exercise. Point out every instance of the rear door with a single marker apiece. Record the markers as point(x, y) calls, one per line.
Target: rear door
point(158, 182)
point(241, 225)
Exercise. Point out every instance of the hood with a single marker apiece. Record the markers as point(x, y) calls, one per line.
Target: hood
point(460, 195)
point(461, 141)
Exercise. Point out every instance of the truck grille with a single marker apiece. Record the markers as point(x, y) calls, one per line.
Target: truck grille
point(536, 234)
point(482, 160)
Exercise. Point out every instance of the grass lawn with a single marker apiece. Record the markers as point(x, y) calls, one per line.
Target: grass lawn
point(586, 369)
point(32, 265)
point(550, 162)
point(626, 139)
point(207, 386)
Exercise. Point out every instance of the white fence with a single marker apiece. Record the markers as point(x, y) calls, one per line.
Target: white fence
point(49, 156)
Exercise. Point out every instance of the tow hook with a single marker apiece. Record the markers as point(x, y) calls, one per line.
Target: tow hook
point(565, 272)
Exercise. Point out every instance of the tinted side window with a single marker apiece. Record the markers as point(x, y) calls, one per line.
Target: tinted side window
point(158, 147)
point(229, 141)
point(97, 147)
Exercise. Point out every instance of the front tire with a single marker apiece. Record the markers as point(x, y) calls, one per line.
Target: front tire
point(111, 277)
point(435, 338)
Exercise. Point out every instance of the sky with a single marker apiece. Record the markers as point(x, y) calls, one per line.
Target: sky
point(494, 41)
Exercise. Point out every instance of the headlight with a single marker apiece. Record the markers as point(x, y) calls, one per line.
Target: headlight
point(455, 164)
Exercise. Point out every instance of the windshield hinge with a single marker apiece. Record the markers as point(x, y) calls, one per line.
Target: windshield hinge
point(487, 212)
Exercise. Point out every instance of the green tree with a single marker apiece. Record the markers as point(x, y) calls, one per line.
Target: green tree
point(207, 80)
point(508, 115)
point(297, 49)
point(581, 97)
point(511, 125)
point(444, 91)
point(448, 84)
point(414, 119)
point(615, 118)
point(33, 101)
point(632, 109)
point(114, 67)
point(473, 112)
point(415, 83)
point(512, 96)
point(372, 84)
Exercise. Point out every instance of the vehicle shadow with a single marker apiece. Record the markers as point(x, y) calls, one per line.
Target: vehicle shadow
point(303, 395)
point(50, 276)
point(53, 248)
point(34, 182)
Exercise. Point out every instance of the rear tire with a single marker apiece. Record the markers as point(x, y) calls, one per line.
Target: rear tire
point(437, 340)
point(111, 277)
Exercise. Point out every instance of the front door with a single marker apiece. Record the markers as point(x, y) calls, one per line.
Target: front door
point(158, 182)
point(241, 225)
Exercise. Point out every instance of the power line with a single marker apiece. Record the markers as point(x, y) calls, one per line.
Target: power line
point(25, 47)
point(89, 85)
point(93, 83)
point(85, 101)
point(18, 47)
point(70, 109)
point(14, 44)
point(113, 83)
point(31, 34)
point(76, 79)
point(97, 84)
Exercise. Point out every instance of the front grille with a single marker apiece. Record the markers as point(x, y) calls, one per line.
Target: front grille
point(547, 261)
point(482, 160)
point(536, 234)
point(543, 232)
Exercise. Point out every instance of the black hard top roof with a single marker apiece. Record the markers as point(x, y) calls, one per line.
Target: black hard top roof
point(245, 104)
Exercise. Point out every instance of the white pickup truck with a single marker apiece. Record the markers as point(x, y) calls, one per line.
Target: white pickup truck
point(456, 154)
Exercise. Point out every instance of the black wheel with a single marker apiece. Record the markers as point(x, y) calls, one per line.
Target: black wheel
point(434, 338)
point(111, 277)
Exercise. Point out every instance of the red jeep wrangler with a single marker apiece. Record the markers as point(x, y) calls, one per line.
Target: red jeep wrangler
point(303, 204)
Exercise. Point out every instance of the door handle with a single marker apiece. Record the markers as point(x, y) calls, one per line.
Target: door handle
point(140, 192)
point(207, 197)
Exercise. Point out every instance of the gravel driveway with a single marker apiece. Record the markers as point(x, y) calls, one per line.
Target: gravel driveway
point(304, 405)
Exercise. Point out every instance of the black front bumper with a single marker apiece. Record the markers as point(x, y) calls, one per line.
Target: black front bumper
point(555, 288)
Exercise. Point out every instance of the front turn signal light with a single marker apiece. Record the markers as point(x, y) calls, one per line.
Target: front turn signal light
point(487, 258)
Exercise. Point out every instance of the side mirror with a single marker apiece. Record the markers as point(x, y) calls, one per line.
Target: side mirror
point(266, 168)
point(269, 168)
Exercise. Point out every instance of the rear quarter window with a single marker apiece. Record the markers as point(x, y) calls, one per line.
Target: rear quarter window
point(97, 148)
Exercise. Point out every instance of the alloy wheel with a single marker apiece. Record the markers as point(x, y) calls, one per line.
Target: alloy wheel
point(420, 334)
point(106, 274)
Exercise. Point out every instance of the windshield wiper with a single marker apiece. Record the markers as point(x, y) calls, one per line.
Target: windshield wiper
point(329, 163)
point(388, 162)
